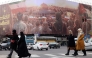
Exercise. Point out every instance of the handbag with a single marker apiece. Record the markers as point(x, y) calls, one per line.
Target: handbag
point(12, 41)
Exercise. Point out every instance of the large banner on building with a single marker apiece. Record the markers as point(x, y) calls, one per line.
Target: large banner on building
point(45, 17)
point(5, 19)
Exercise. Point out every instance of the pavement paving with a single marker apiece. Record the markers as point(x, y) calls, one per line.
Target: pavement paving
point(51, 53)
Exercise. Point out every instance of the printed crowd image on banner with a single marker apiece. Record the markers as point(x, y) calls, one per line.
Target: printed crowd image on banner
point(45, 17)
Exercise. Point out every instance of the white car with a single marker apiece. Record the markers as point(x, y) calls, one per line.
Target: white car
point(88, 44)
point(5, 45)
point(29, 46)
point(40, 45)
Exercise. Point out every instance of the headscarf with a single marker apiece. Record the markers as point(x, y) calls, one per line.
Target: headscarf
point(79, 32)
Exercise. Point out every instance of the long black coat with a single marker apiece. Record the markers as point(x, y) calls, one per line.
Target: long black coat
point(15, 38)
point(22, 48)
point(71, 41)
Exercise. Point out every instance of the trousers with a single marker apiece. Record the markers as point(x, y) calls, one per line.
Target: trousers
point(11, 51)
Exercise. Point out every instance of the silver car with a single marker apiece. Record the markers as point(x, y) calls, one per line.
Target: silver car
point(88, 44)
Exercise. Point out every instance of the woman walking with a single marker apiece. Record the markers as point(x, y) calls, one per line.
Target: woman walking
point(80, 43)
point(70, 43)
point(22, 48)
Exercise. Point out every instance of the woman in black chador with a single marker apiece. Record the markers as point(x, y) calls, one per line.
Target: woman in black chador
point(22, 48)
point(70, 43)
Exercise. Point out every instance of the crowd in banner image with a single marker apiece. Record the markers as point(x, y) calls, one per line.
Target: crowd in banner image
point(54, 20)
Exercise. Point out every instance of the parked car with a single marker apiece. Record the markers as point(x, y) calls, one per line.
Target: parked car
point(5, 45)
point(40, 45)
point(88, 44)
point(29, 46)
point(54, 45)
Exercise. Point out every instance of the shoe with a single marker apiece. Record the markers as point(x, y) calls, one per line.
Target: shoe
point(84, 55)
point(29, 55)
point(20, 57)
point(8, 57)
point(74, 54)
point(67, 54)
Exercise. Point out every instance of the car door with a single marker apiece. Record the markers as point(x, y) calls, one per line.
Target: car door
point(88, 44)
point(91, 42)
point(35, 46)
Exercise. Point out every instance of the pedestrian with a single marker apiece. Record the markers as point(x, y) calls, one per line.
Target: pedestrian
point(80, 43)
point(13, 43)
point(70, 42)
point(22, 48)
point(58, 24)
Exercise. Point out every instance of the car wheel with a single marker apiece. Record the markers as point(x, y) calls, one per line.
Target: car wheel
point(5, 48)
point(50, 47)
point(47, 49)
point(41, 49)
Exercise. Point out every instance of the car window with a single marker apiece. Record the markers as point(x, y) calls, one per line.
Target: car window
point(4, 42)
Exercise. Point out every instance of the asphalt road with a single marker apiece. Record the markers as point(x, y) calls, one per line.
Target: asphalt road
point(51, 53)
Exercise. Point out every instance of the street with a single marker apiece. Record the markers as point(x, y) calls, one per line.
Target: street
point(51, 53)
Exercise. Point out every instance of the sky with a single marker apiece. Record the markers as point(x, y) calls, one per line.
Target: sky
point(89, 2)
point(61, 3)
